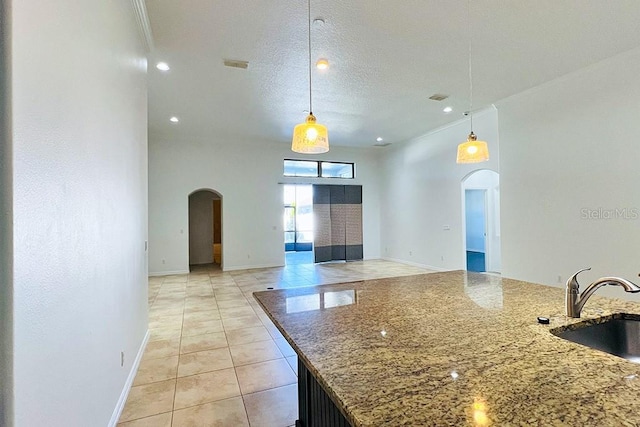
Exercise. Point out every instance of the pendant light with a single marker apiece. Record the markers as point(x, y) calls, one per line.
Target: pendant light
point(472, 150)
point(310, 137)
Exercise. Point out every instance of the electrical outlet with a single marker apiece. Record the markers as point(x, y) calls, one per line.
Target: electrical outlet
point(410, 253)
point(164, 261)
point(559, 279)
point(442, 258)
point(122, 358)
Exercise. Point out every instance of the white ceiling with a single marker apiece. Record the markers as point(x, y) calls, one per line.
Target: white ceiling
point(387, 57)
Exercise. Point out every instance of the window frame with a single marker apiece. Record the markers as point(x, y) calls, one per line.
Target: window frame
point(319, 172)
point(353, 169)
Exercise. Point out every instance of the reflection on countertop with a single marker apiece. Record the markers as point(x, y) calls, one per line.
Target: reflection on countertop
point(320, 300)
point(455, 348)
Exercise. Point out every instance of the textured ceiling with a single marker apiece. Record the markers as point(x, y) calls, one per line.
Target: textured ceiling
point(387, 57)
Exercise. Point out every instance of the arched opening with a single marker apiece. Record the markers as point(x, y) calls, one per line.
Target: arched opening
point(481, 225)
point(205, 229)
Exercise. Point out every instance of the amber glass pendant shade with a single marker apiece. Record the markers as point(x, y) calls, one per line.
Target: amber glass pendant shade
point(472, 151)
point(310, 137)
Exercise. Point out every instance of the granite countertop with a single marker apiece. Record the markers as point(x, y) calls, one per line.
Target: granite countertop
point(455, 348)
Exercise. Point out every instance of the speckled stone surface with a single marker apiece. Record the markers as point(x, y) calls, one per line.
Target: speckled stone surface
point(455, 349)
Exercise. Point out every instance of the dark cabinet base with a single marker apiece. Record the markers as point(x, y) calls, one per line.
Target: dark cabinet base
point(315, 407)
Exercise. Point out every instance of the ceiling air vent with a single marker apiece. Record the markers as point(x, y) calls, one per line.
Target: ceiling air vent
point(235, 63)
point(381, 144)
point(438, 97)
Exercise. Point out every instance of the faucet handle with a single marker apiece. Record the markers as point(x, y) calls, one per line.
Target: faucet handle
point(572, 282)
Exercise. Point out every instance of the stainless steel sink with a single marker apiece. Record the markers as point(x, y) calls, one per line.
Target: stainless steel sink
point(619, 335)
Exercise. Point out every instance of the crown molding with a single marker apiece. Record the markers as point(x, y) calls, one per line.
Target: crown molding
point(144, 26)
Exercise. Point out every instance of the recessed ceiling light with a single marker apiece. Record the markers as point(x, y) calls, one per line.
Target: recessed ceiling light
point(322, 64)
point(163, 66)
point(379, 139)
point(174, 119)
point(447, 109)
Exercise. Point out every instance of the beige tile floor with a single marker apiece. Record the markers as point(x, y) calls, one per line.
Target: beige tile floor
point(214, 358)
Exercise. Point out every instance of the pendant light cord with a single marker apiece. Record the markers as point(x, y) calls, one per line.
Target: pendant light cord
point(470, 75)
point(309, 22)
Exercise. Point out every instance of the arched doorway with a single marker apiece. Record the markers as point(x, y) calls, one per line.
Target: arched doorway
point(205, 228)
point(481, 225)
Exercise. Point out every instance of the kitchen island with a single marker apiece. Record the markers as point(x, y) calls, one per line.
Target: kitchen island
point(450, 349)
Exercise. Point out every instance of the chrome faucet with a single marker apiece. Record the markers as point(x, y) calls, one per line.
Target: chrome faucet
point(575, 300)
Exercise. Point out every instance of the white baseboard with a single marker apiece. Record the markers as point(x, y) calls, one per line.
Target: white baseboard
point(415, 264)
point(168, 273)
point(127, 385)
point(251, 267)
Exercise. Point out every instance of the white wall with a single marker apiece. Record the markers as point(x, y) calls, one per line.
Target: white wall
point(247, 174)
point(201, 227)
point(421, 194)
point(80, 208)
point(568, 146)
point(6, 238)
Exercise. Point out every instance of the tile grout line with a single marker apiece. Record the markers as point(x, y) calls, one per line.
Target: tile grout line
point(175, 389)
point(235, 371)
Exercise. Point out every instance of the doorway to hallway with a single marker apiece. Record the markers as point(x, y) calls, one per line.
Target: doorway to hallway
point(481, 213)
point(205, 228)
point(476, 229)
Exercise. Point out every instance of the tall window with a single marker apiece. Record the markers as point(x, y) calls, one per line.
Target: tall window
point(298, 217)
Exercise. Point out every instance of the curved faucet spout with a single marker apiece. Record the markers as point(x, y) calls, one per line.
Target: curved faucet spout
point(573, 280)
point(576, 300)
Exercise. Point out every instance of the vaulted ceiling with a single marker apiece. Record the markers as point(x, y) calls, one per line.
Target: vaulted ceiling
point(387, 57)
